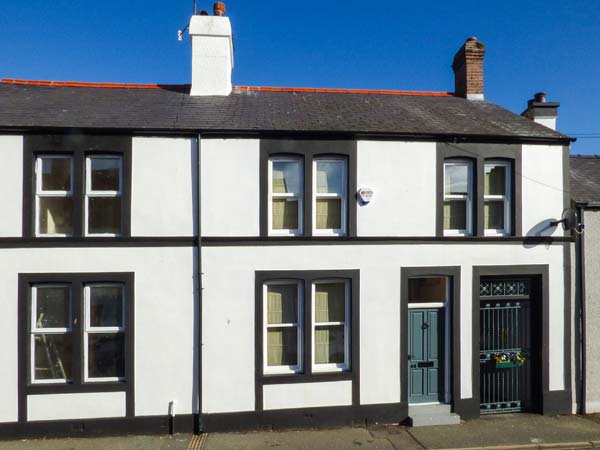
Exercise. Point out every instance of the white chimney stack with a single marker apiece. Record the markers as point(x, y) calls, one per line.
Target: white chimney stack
point(212, 53)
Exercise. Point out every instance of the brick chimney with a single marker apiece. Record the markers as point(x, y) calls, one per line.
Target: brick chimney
point(542, 111)
point(468, 70)
point(212, 53)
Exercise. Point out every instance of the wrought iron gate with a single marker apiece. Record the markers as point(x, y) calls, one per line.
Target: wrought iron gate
point(505, 346)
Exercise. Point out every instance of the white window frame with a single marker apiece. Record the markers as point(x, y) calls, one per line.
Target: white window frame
point(332, 367)
point(88, 329)
point(89, 193)
point(298, 196)
point(468, 198)
point(270, 370)
point(36, 331)
point(343, 196)
point(40, 193)
point(506, 198)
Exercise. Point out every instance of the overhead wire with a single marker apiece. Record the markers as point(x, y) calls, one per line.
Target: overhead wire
point(516, 172)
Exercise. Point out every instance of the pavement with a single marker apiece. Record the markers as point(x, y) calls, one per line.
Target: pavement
point(509, 432)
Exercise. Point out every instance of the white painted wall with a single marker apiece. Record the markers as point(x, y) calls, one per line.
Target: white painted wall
point(165, 323)
point(164, 185)
point(549, 122)
point(307, 395)
point(228, 299)
point(76, 406)
point(592, 304)
point(403, 178)
point(401, 174)
point(11, 186)
point(230, 187)
point(542, 189)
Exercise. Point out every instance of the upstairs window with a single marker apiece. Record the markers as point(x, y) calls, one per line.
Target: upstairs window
point(306, 188)
point(103, 195)
point(458, 198)
point(497, 195)
point(76, 186)
point(54, 196)
point(330, 197)
point(286, 192)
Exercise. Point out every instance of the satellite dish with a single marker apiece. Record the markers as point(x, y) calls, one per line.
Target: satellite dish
point(569, 221)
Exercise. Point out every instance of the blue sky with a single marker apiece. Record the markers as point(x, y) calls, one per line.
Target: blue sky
point(533, 45)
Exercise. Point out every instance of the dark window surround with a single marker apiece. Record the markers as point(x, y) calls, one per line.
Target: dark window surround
point(479, 154)
point(308, 376)
point(307, 151)
point(79, 147)
point(453, 275)
point(77, 282)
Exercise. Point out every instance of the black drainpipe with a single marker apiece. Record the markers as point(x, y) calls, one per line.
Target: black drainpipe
point(199, 425)
point(580, 274)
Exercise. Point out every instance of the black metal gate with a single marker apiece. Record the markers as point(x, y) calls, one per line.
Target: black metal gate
point(505, 346)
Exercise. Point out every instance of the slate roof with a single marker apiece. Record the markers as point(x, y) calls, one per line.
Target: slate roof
point(171, 108)
point(585, 178)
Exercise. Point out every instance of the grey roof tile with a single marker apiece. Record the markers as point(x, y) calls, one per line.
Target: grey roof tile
point(173, 109)
point(585, 178)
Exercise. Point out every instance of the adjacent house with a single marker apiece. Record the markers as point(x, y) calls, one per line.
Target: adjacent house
point(223, 257)
point(585, 190)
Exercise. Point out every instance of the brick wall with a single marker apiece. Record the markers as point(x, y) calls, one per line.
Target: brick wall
point(468, 68)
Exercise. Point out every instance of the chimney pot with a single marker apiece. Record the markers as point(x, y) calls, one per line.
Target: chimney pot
point(204, 13)
point(468, 69)
point(540, 97)
point(219, 9)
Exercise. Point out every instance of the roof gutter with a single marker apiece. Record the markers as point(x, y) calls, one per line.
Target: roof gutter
point(588, 205)
point(304, 134)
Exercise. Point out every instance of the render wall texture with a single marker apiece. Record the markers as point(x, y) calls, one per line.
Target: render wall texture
point(543, 189)
point(11, 185)
point(164, 187)
point(403, 178)
point(229, 308)
point(592, 305)
point(165, 329)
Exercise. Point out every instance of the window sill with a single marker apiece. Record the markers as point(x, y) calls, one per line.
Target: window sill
point(71, 388)
point(319, 377)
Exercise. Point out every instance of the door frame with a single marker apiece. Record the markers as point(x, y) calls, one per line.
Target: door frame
point(533, 299)
point(452, 273)
point(552, 402)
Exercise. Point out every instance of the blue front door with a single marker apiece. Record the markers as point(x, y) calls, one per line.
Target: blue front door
point(425, 355)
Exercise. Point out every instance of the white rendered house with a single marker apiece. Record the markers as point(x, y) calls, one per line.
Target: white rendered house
point(217, 257)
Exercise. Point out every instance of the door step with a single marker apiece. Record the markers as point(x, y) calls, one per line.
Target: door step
point(430, 415)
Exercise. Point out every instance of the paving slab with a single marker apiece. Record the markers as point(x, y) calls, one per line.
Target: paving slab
point(509, 430)
point(400, 437)
point(177, 442)
point(335, 439)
